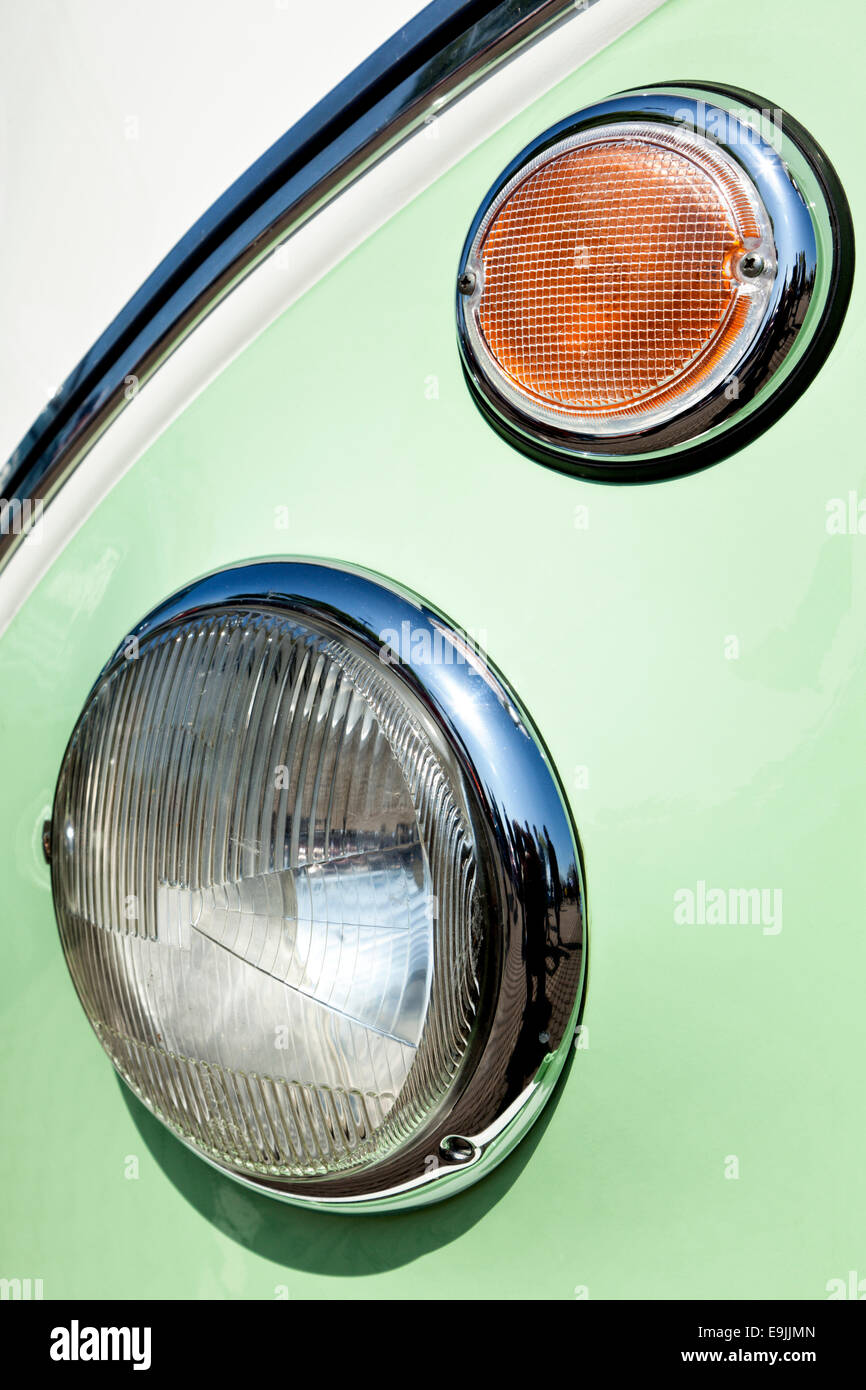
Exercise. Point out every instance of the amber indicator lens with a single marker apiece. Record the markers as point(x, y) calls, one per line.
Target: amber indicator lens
point(620, 276)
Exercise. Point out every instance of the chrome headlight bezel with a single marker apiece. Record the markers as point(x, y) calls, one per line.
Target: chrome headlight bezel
point(513, 1061)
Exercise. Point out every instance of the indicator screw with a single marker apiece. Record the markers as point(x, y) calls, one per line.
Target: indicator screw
point(751, 265)
point(466, 282)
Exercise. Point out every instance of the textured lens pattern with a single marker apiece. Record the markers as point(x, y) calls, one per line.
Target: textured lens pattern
point(265, 886)
point(609, 284)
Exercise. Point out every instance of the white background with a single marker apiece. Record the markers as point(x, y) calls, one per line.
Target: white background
point(120, 123)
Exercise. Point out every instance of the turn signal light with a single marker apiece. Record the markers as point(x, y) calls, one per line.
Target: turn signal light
point(652, 282)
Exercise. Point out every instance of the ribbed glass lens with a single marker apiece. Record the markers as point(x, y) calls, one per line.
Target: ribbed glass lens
point(610, 289)
point(265, 882)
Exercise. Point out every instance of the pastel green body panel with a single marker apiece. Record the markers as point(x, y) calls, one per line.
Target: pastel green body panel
point(693, 655)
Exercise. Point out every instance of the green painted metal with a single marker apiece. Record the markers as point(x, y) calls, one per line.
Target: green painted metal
point(693, 654)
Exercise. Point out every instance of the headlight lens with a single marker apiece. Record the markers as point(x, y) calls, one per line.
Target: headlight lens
point(252, 932)
point(277, 890)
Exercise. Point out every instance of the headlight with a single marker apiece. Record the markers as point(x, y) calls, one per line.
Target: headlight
point(652, 281)
point(317, 887)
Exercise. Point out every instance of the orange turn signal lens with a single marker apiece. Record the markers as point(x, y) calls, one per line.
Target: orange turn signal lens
point(652, 283)
point(619, 276)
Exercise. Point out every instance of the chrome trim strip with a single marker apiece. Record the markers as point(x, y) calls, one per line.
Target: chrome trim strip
point(533, 980)
point(812, 282)
point(429, 64)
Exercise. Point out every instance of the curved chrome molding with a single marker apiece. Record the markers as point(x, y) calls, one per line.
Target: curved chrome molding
point(533, 981)
point(814, 248)
point(430, 63)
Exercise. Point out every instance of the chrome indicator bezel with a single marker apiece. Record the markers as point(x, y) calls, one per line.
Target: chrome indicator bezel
point(813, 241)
